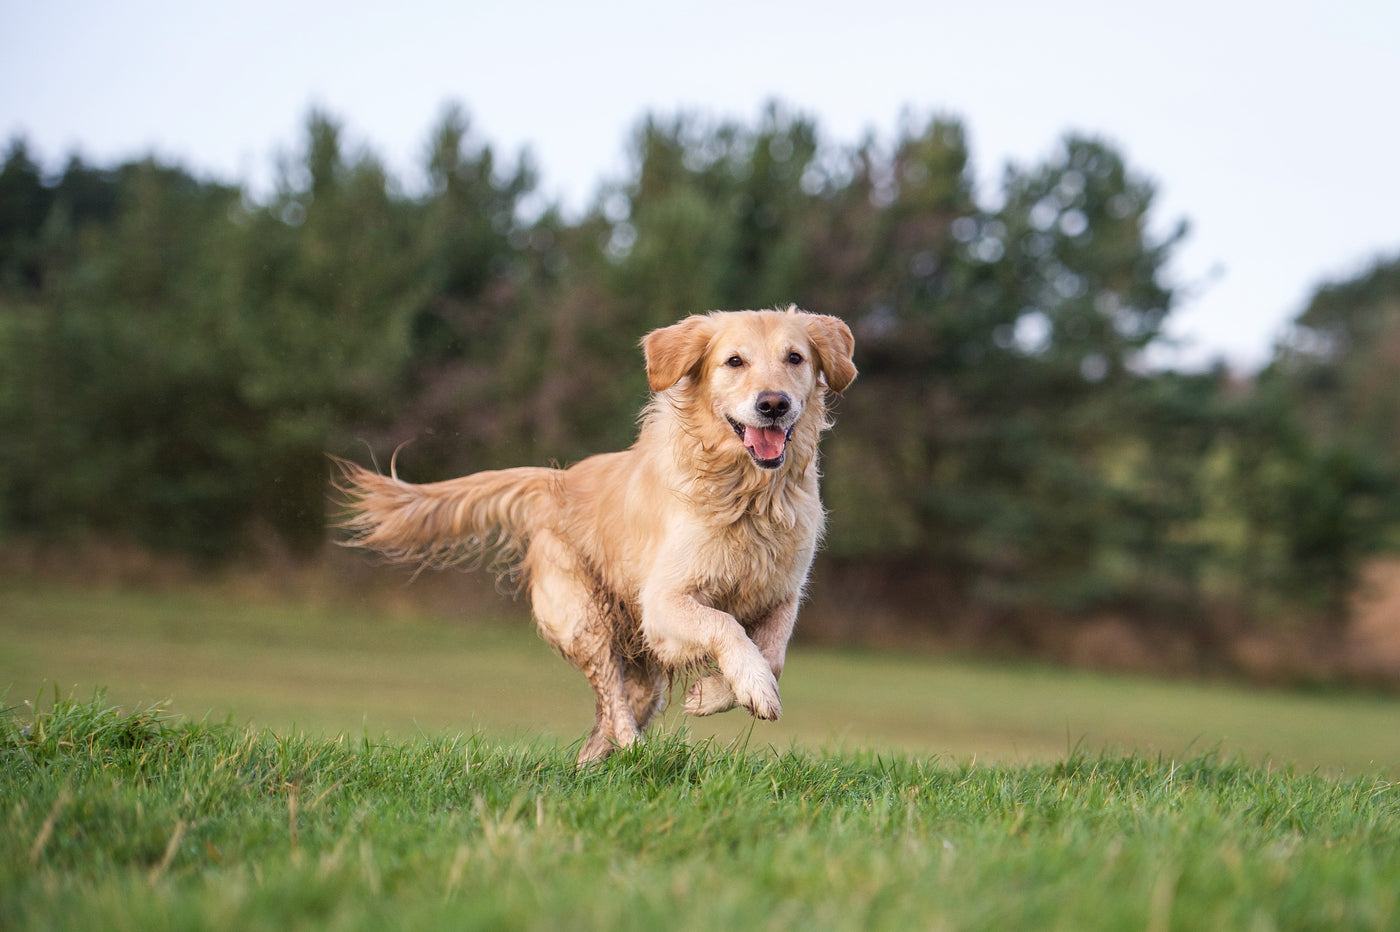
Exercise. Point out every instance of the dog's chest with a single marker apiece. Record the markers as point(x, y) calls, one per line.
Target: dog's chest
point(750, 567)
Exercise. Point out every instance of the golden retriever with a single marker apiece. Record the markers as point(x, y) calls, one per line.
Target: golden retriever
point(688, 552)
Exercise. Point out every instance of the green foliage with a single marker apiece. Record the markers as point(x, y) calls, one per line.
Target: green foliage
point(177, 358)
point(1334, 373)
point(126, 821)
point(183, 362)
point(1001, 391)
point(1338, 362)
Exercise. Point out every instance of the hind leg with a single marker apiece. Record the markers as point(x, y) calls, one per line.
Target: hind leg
point(614, 724)
point(645, 682)
point(570, 619)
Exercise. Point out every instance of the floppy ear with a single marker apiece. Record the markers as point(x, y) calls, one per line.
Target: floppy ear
point(835, 346)
point(675, 351)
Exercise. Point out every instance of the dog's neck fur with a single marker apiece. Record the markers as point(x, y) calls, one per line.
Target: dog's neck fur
point(724, 478)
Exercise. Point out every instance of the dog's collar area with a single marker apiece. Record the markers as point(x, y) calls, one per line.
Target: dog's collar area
point(761, 440)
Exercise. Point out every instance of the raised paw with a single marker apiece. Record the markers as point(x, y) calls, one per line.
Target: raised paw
point(709, 695)
point(759, 694)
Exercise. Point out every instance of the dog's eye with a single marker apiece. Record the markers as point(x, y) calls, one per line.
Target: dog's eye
point(795, 359)
point(733, 362)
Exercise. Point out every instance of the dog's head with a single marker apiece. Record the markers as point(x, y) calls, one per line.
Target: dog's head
point(757, 372)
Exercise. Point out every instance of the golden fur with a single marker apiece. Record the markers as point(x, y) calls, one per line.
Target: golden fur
point(688, 551)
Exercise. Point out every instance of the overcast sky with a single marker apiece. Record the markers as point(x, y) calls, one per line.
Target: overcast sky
point(1271, 127)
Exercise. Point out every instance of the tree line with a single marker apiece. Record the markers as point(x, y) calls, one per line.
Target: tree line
point(177, 357)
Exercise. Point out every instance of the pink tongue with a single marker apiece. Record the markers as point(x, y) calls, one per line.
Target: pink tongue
point(766, 442)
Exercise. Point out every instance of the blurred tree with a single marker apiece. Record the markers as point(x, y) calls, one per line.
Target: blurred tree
point(188, 358)
point(714, 217)
point(318, 291)
point(998, 352)
point(474, 337)
point(469, 226)
point(1341, 358)
point(24, 203)
point(112, 387)
point(1337, 467)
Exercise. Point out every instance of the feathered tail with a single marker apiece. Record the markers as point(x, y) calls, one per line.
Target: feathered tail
point(447, 523)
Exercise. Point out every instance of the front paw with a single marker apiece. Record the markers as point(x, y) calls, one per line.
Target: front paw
point(759, 694)
point(709, 695)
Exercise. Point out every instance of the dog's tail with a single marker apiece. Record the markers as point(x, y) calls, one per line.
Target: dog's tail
point(447, 523)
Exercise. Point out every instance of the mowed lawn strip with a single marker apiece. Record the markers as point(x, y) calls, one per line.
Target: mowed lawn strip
point(325, 669)
point(128, 820)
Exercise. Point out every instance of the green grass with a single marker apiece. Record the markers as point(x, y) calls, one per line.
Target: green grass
point(324, 767)
point(128, 820)
point(316, 666)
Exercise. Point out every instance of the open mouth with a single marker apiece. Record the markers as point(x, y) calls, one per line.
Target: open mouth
point(767, 445)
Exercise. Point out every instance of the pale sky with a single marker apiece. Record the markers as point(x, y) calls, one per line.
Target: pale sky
point(1274, 128)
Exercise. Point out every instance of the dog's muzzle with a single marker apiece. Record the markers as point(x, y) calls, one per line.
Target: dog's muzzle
point(767, 445)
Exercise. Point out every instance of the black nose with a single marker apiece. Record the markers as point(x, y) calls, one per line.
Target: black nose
point(773, 404)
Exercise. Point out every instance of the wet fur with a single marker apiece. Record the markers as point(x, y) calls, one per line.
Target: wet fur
point(679, 554)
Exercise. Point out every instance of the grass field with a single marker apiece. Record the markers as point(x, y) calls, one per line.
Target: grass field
point(120, 820)
point(361, 772)
point(327, 670)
